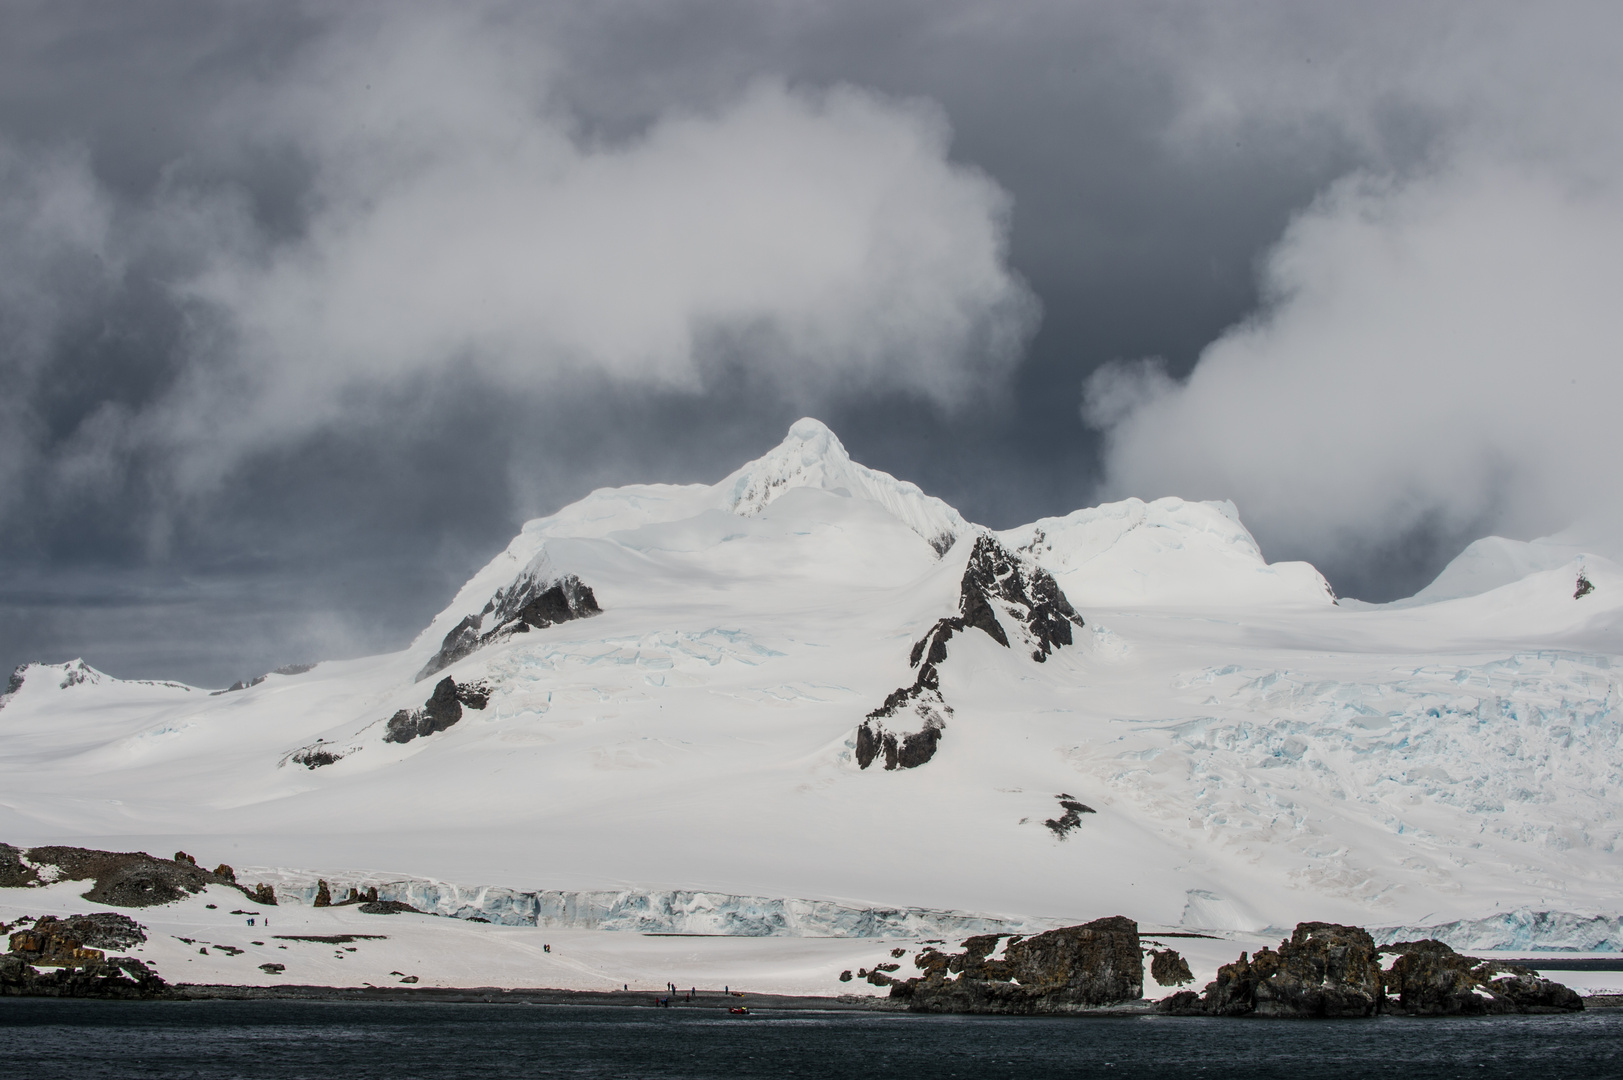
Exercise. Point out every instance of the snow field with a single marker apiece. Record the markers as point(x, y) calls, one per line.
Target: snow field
point(1255, 755)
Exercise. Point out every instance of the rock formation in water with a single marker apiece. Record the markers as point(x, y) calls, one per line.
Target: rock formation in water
point(995, 580)
point(1324, 971)
point(1067, 970)
point(1428, 978)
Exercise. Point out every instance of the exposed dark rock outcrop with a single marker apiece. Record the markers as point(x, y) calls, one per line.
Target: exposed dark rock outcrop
point(1066, 970)
point(13, 684)
point(1070, 819)
point(1584, 587)
point(118, 977)
point(1326, 970)
point(534, 601)
point(1428, 978)
point(319, 753)
point(462, 640)
point(122, 879)
point(1530, 992)
point(1322, 970)
point(995, 580)
point(75, 945)
point(244, 684)
point(1167, 968)
point(356, 896)
point(53, 940)
point(387, 907)
point(14, 872)
point(442, 709)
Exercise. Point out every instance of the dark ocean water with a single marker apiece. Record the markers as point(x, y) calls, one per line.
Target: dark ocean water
point(345, 1041)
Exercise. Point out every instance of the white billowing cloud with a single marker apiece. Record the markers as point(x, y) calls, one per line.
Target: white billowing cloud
point(1437, 348)
point(457, 221)
point(1444, 350)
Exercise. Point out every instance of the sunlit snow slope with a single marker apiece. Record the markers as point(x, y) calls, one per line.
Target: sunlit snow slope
point(1253, 754)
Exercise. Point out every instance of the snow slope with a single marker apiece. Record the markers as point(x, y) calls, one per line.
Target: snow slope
point(1253, 754)
point(1493, 562)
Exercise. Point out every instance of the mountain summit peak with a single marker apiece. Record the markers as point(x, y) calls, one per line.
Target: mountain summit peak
point(811, 455)
point(809, 429)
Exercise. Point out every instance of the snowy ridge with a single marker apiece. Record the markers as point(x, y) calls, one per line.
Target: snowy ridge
point(643, 911)
point(1494, 562)
point(1167, 553)
point(74, 673)
point(810, 456)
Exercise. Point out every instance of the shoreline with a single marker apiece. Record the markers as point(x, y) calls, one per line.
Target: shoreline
point(705, 1000)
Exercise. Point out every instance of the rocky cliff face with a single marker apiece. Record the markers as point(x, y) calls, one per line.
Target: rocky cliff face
point(1067, 970)
point(534, 601)
point(997, 587)
point(1324, 971)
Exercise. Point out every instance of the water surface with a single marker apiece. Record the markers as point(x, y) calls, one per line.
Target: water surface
point(42, 1039)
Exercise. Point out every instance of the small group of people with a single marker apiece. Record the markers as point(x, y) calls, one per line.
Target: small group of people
point(671, 991)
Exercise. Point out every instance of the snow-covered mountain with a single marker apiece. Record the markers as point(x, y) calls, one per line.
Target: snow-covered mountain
point(812, 682)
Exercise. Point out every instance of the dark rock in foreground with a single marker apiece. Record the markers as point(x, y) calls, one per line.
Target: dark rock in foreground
point(51, 937)
point(118, 977)
point(74, 945)
point(1067, 970)
point(1325, 971)
point(1167, 968)
point(1431, 979)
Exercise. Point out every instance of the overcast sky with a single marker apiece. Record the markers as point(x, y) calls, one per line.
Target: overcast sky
point(305, 308)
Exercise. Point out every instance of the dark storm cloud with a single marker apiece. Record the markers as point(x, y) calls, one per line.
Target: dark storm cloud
point(215, 459)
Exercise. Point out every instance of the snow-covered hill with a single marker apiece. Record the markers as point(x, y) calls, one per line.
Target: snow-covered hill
point(663, 692)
